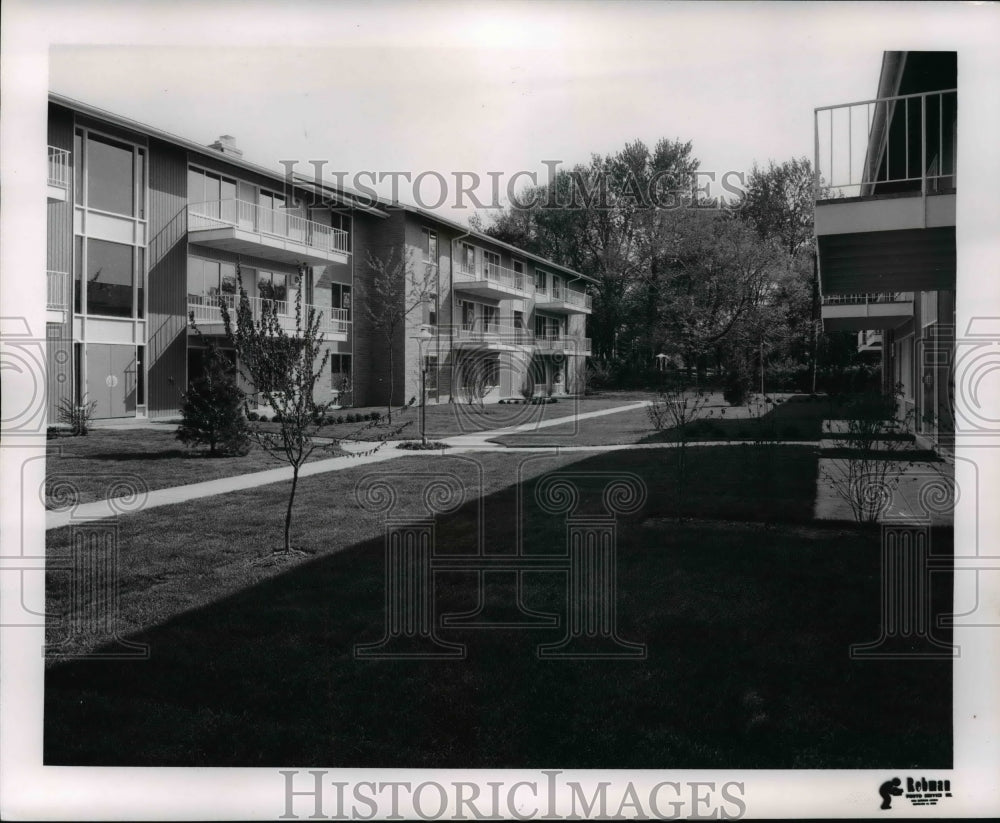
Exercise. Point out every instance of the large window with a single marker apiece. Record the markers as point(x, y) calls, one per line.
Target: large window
point(541, 279)
point(340, 298)
point(430, 246)
point(547, 326)
point(109, 175)
point(207, 279)
point(110, 279)
point(491, 262)
point(340, 372)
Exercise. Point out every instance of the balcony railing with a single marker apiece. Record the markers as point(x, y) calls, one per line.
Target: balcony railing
point(566, 295)
point(563, 342)
point(503, 278)
point(868, 298)
point(479, 332)
point(206, 311)
point(886, 145)
point(57, 291)
point(252, 217)
point(58, 167)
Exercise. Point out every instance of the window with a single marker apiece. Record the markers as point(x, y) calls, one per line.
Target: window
point(110, 176)
point(468, 259)
point(140, 375)
point(541, 279)
point(340, 298)
point(557, 284)
point(272, 285)
point(489, 318)
point(518, 266)
point(430, 246)
point(491, 262)
point(340, 372)
point(468, 310)
point(546, 326)
point(110, 279)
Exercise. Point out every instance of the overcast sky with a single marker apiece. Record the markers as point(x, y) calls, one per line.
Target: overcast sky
point(486, 86)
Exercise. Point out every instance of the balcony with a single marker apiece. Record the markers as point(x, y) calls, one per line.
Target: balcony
point(885, 193)
point(207, 315)
point(273, 234)
point(559, 298)
point(866, 311)
point(491, 336)
point(562, 344)
point(57, 296)
point(493, 282)
point(58, 179)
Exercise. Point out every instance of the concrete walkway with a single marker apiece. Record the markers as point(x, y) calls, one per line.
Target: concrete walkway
point(101, 509)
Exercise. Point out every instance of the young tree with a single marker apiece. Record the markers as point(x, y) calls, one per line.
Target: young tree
point(213, 412)
point(283, 368)
point(392, 291)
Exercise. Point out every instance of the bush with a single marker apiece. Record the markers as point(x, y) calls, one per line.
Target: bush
point(263, 418)
point(212, 414)
point(340, 419)
point(253, 417)
point(416, 445)
point(791, 431)
point(77, 415)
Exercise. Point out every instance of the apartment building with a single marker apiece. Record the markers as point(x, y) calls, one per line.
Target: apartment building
point(148, 232)
point(885, 228)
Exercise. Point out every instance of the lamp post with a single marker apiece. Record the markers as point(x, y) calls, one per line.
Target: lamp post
point(425, 335)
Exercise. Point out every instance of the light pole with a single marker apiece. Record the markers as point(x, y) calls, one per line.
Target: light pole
point(425, 335)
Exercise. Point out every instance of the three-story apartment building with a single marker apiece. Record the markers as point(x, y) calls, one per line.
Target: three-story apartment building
point(885, 227)
point(148, 232)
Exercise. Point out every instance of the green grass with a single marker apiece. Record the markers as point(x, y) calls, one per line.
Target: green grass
point(95, 465)
point(747, 612)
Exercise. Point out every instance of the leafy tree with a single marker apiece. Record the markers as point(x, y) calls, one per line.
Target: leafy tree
point(213, 411)
point(393, 289)
point(283, 367)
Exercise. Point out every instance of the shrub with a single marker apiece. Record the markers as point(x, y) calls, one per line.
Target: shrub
point(253, 416)
point(340, 418)
point(263, 418)
point(416, 445)
point(77, 415)
point(791, 431)
point(212, 414)
point(735, 389)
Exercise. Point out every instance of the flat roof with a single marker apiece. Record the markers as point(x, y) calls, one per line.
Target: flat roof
point(350, 198)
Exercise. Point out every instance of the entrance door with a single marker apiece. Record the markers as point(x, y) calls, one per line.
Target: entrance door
point(111, 379)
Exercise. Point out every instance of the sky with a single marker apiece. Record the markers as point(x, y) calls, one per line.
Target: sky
point(486, 87)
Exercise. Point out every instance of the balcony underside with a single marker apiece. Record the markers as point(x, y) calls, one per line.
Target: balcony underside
point(267, 247)
point(57, 193)
point(490, 290)
point(885, 213)
point(888, 261)
point(561, 306)
point(864, 317)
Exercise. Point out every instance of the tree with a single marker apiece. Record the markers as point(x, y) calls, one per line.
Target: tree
point(213, 412)
point(283, 368)
point(391, 292)
point(779, 202)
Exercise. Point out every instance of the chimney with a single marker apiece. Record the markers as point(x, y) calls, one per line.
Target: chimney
point(227, 145)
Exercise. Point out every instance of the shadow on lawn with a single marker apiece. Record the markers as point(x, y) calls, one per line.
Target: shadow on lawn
point(747, 628)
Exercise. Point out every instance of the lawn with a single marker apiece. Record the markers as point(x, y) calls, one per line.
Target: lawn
point(746, 609)
point(108, 462)
point(787, 418)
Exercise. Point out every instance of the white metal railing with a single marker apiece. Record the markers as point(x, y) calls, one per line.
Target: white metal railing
point(566, 295)
point(206, 309)
point(57, 296)
point(563, 342)
point(867, 298)
point(498, 275)
point(261, 220)
point(58, 167)
point(905, 143)
point(479, 331)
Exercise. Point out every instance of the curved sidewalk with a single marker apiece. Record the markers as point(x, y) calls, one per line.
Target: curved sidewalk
point(100, 509)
